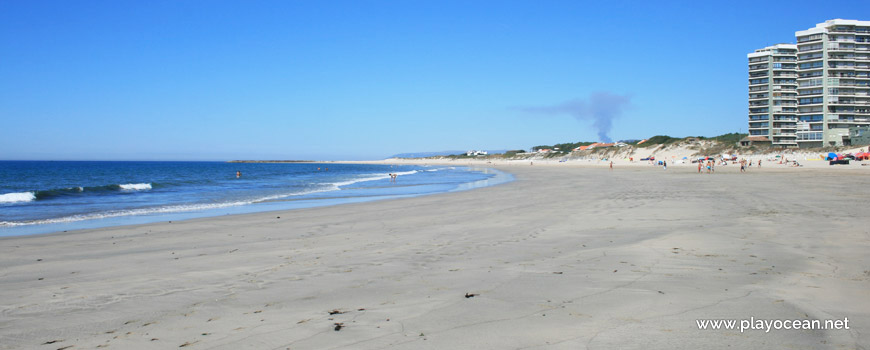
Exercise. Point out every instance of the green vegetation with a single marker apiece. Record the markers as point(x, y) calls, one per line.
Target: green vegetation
point(723, 143)
point(732, 137)
point(729, 139)
point(659, 140)
point(563, 147)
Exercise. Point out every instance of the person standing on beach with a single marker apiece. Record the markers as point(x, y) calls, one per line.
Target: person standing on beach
point(699, 166)
point(665, 164)
point(611, 165)
point(759, 163)
point(742, 166)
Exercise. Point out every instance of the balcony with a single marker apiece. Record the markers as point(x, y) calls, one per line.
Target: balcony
point(841, 48)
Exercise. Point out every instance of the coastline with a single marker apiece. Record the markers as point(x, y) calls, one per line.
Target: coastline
point(286, 193)
point(562, 257)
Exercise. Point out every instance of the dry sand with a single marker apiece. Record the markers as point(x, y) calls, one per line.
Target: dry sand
point(562, 258)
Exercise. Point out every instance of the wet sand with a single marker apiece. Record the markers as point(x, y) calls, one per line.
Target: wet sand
point(561, 258)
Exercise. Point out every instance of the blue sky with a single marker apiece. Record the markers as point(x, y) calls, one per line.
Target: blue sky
point(218, 80)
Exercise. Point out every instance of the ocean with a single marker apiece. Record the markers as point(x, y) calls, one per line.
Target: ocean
point(50, 196)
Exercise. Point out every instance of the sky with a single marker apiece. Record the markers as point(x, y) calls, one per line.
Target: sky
point(336, 80)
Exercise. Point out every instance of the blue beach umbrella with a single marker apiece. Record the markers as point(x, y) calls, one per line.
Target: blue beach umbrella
point(832, 156)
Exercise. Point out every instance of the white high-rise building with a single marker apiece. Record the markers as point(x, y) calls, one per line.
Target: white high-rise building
point(833, 81)
point(814, 102)
point(773, 94)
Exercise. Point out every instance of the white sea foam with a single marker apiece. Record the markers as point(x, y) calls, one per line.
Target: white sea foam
point(135, 187)
point(28, 196)
point(156, 210)
point(128, 212)
point(338, 185)
point(281, 196)
point(17, 197)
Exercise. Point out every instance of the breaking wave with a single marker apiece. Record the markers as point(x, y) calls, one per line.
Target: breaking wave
point(17, 197)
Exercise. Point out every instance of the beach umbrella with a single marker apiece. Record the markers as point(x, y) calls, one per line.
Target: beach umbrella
point(832, 156)
point(685, 157)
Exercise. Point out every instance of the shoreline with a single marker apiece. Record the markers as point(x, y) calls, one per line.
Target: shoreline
point(183, 212)
point(562, 257)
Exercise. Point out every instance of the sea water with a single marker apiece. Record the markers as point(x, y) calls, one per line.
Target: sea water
point(50, 196)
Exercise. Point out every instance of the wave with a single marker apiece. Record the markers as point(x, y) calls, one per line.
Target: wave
point(17, 197)
point(72, 191)
point(338, 185)
point(126, 212)
point(156, 210)
point(40, 195)
point(135, 187)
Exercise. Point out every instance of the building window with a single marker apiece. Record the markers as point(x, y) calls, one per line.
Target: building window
point(810, 100)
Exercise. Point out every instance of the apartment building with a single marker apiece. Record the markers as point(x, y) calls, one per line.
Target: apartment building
point(812, 98)
point(773, 94)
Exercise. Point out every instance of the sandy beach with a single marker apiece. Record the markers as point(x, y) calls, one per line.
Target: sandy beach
point(564, 257)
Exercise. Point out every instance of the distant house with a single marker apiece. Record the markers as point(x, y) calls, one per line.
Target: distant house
point(544, 150)
point(754, 141)
point(600, 145)
point(582, 148)
point(475, 153)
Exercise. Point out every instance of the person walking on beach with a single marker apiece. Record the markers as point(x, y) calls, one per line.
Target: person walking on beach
point(611, 165)
point(699, 166)
point(742, 166)
point(665, 164)
point(759, 163)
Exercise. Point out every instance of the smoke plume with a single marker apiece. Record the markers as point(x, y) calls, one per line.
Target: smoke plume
point(600, 107)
